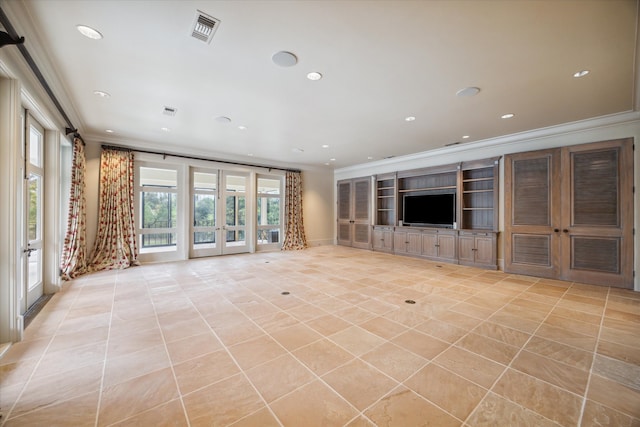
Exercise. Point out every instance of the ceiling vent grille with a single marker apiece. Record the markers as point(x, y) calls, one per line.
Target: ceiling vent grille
point(204, 27)
point(169, 111)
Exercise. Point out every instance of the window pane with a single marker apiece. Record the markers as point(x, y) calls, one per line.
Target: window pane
point(269, 236)
point(236, 212)
point(236, 183)
point(204, 210)
point(268, 186)
point(205, 181)
point(158, 240)
point(268, 211)
point(235, 237)
point(204, 238)
point(159, 210)
point(158, 177)
point(35, 207)
point(35, 147)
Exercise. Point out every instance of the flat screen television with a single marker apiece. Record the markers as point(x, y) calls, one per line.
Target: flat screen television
point(429, 210)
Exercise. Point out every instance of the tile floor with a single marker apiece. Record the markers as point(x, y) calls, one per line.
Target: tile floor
point(214, 342)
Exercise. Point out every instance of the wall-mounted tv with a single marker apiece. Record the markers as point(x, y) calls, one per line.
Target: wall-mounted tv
point(429, 210)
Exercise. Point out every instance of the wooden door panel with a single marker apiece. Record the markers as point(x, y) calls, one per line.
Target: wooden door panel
point(414, 245)
point(344, 201)
point(484, 253)
point(532, 213)
point(597, 213)
point(447, 246)
point(429, 244)
point(465, 248)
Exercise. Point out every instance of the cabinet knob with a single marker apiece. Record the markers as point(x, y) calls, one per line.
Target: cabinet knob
point(556, 230)
point(565, 231)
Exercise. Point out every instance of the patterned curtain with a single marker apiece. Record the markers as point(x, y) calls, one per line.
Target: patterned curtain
point(74, 252)
point(294, 229)
point(115, 246)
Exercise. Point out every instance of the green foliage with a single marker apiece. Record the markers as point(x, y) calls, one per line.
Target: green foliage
point(160, 210)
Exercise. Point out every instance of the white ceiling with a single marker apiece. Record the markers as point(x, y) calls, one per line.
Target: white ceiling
point(381, 60)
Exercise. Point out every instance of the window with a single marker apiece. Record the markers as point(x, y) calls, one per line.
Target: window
point(158, 189)
point(269, 210)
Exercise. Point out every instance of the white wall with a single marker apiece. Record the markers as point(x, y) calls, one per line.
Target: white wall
point(606, 128)
point(318, 207)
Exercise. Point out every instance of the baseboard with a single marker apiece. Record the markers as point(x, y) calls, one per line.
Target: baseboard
point(323, 242)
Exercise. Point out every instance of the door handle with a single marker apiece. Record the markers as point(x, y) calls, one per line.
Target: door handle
point(28, 251)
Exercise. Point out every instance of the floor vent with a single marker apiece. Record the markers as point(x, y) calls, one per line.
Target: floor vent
point(204, 27)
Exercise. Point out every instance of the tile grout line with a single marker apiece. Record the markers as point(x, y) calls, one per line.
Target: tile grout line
point(166, 350)
point(593, 360)
point(30, 378)
point(521, 350)
point(106, 350)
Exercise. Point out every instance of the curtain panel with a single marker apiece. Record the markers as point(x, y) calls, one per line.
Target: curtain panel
point(74, 252)
point(294, 237)
point(115, 246)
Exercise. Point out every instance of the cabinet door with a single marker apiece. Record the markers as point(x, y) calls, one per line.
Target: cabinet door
point(400, 242)
point(414, 243)
point(532, 213)
point(447, 246)
point(466, 246)
point(597, 218)
point(484, 250)
point(430, 244)
point(344, 213)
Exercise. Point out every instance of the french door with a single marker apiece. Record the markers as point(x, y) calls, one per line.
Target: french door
point(218, 212)
point(33, 208)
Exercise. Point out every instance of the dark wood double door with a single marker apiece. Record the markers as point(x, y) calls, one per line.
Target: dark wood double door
point(569, 213)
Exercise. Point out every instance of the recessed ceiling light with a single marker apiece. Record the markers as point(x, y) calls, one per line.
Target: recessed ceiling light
point(89, 32)
point(327, 163)
point(297, 150)
point(101, 93)
point(284, 59)
point(223, 119)
point(109, 130)
point(581, 73)
point(468, 91)
point(332, 159)
point(369, 158)
point(314, 75)
point(465, 137)
point(242, 127)
point(250, 154)
point(325, 146)
point(507, 116)
point(165, 129)
point(409, 119)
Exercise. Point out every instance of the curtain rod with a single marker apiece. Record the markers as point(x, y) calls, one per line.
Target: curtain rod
point(182, 156)
point(4, 20)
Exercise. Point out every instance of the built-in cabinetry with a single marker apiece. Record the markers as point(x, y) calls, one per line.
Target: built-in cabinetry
point(462, 231)
point(569, 213)
point(440, 244)
point(382, 238)
point(386, 199)
point(354, 219)
point(477, 248)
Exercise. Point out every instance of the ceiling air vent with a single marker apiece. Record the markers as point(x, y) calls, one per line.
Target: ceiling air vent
point(169, 111)
point(204, 27)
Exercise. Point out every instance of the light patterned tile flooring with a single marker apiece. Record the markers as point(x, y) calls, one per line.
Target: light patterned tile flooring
point(214, 342)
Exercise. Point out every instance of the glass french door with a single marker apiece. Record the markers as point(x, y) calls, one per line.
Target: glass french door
point(235, 213)
point(33, 208)
point(205, 230)
point(218, 213)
